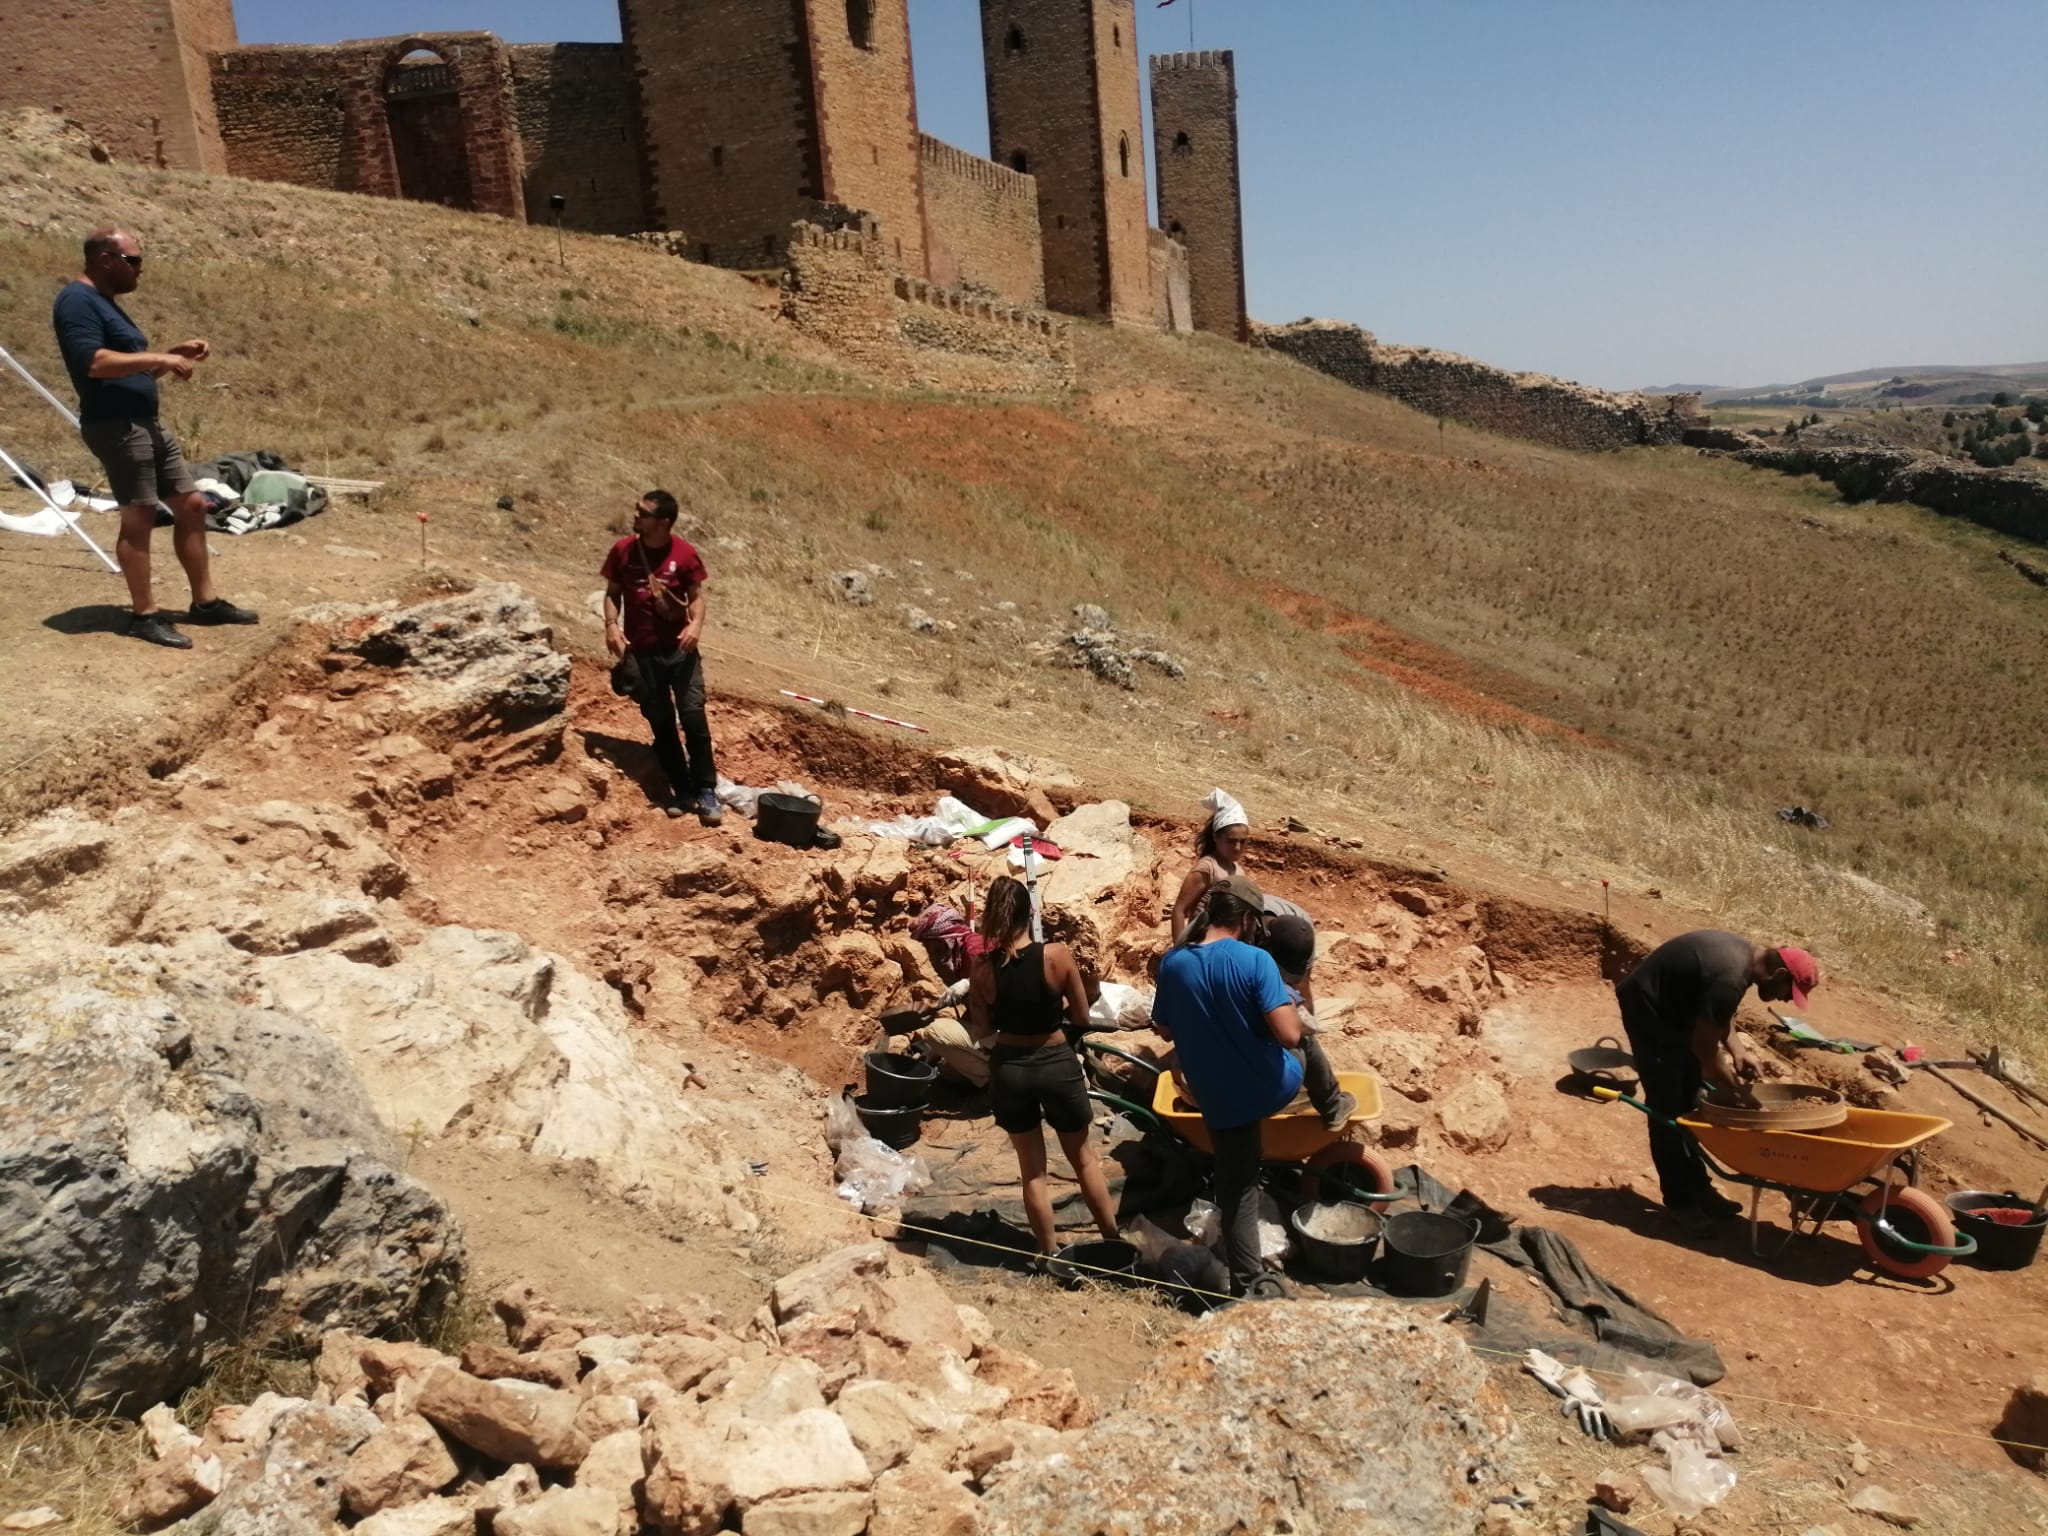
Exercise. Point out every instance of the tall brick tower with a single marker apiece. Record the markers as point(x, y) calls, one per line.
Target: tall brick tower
point(1194, 133)
point(754, 115)
point(136, 73)
point(1064, 105)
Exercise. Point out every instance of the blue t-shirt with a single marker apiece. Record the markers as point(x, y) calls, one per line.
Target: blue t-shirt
point(1215, 998)
point(87, 321)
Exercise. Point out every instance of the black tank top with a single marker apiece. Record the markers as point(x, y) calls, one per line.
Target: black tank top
point(1024, 1004)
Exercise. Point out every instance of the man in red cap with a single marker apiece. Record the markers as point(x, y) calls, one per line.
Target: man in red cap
point(1678, 1009)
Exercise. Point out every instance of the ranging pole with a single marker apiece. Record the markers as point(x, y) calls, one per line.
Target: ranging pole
point(70, 520)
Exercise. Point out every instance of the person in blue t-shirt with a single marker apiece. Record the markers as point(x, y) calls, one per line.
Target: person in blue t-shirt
point(115, 375)
point(1239, 1043)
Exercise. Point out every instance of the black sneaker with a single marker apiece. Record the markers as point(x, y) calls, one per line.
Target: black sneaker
point(709, 812)
point(1718, 1205)
point(674, 810)
point(219, 611)
point(1339, 1114)
point(157, 630)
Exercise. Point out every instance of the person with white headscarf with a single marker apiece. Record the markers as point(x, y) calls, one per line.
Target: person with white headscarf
point(1218, 853)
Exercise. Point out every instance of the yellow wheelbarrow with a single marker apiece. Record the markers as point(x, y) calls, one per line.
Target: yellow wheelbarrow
point(1295, 1135)
point(1841, 1173)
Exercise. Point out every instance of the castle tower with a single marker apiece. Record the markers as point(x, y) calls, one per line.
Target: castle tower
point(1064, 106)
point(136, 73)
point(756, 115)
point(1194, 133)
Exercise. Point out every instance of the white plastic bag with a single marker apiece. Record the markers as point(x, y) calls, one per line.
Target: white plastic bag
point(1121, 1007)
point(1651, 1401)
point(872, 1175)
point(745, 799)
point(1690, 1482)
point(928, 830)
point(1205, 1226)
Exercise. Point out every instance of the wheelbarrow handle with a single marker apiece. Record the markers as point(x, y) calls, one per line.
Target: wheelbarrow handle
point(1965, 1244)
point(1610, 1095)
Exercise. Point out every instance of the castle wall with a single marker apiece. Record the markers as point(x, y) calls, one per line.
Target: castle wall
point(579, 135)
point(840, 289)
point(867, 118)
point(728, 117)
point(1063, 106)
point(1194, 129)
point(1173, 306)
point(133, 72)
point(1527, 405)
point(981, 226)
point(327, 117)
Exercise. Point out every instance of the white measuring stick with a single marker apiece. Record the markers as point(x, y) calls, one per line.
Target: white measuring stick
point(36, 384)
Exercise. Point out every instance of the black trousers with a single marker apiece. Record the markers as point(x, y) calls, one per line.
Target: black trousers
point(672, 690)
point(1671, 1083)
point(1239, 1151)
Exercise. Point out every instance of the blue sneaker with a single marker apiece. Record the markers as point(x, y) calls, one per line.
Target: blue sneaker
point(709, 812)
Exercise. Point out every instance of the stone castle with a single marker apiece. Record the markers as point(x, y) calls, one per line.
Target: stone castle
point(724, 123)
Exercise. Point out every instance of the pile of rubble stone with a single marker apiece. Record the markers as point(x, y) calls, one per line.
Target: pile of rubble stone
point(860, 1399)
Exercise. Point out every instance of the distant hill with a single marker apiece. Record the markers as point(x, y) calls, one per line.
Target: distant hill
point(1928, 384)
point(1680, 389)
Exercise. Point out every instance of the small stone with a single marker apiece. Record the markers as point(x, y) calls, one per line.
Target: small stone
point(571, 1511)
point(842, 1513)
point(30, 1519)
point(1615, 1491)
point(1885, 1505)
point(2025, 1422)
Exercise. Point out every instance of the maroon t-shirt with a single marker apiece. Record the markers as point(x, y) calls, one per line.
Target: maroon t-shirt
point(681, 570)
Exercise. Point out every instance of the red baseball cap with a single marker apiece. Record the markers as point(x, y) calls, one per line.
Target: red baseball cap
point(1805, 973)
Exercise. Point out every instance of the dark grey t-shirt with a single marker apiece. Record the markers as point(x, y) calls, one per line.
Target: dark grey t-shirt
point(87, 320)
point(1696, 976)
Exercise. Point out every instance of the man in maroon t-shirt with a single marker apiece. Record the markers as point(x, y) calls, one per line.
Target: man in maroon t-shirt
point(653, 615)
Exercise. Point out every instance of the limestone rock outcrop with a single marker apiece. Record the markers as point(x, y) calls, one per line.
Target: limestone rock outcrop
point(1306, 1416)
point(174, 1163)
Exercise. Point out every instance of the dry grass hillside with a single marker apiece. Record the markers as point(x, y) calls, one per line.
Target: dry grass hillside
point(1434, 639)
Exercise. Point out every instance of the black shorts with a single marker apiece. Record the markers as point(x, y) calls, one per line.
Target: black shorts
point(1044, 1082)
point(143, 462)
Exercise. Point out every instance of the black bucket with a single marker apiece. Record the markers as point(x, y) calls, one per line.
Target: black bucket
point(896, 1081)
point(791, 819)
point(893, 1125)
point(1350, 1234)
point(1101, 1261)
point(1427, 1252)
point(2000, 1245)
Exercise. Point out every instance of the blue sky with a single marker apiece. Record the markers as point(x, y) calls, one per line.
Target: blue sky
point(1625, 192)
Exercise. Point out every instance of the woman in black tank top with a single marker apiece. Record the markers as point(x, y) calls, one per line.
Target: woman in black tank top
point(1019, 996)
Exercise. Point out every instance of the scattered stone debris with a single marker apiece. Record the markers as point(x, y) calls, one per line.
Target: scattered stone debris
point(853, 586)
point(1097, 646)
point(1800, 816)
point(918, 622)
point(860, 1393)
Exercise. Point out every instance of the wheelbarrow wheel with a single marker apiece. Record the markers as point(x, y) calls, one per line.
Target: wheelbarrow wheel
point(1345, 1165)
point(1918, 1216)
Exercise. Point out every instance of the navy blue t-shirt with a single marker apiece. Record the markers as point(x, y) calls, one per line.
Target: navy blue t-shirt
point(87, 321)
point(1215, 998)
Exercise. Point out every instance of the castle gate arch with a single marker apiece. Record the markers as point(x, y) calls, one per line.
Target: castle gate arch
point(429, 144)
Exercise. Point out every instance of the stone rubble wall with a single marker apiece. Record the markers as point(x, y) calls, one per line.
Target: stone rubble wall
point(840, 288)
point(981, 225)
point(2012, 501)
point(1527, 405)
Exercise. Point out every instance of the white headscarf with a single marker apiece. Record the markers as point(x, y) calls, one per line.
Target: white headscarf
point(1224, 811)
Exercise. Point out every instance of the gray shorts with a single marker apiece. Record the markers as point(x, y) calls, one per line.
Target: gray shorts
point(143, 462)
